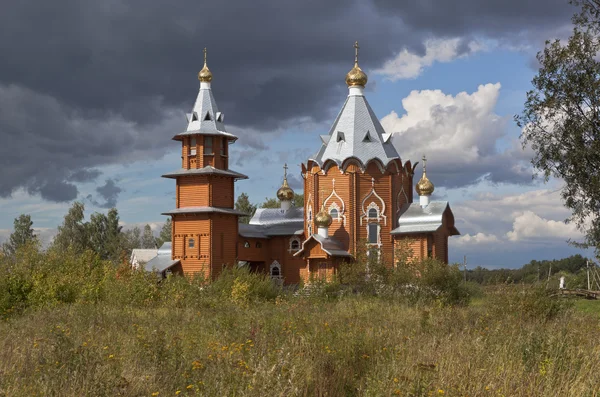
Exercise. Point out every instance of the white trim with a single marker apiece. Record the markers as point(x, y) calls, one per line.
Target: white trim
point(342, 210)
point(380, 212)
point(297, 239)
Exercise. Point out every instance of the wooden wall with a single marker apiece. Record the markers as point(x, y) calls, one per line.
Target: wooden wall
point(205, 190)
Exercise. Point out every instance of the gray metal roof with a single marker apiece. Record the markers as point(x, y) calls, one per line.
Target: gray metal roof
point(160, 263)
point(329, 245)
point(208, 170)
point(251, 231)
point(266, 231)
point(417, 219)
point(356, 132)
point(143, 254)
point(165, 249)
point(201, 210)
point(267, 216)
point(199, 123)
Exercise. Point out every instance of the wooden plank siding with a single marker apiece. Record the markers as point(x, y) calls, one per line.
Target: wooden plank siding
point(205, 190)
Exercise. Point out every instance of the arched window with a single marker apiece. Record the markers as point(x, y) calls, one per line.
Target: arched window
point(246, 244)
point(373, 213)
point(275, 271)
point(295, 245)
point(191, 243)
point(258, 244)
point(334, 213)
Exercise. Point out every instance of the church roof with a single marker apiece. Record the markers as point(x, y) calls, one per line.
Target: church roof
point(268, 222)
point(417, 219)
point(201, 210)
point(205, 119)
point(356, 133)
point(267, 216)
point(267, 231)
point(330, 245)
point(208, 170)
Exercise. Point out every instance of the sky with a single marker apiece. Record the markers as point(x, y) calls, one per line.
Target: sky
point(91, 94)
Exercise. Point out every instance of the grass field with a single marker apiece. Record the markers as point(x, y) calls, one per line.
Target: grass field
point(505, 344)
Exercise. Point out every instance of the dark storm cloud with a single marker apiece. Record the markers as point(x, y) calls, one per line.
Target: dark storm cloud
point(109, 192)
point(88, 83)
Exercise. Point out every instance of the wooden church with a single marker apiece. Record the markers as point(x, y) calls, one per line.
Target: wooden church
point(356, 191)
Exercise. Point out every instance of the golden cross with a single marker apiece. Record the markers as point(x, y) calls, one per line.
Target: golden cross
point(204, 56)
point(285, 168)
point(424, 163)
point(356, 47)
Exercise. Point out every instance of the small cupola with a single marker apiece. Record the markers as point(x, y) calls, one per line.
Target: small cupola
point(322, 221)
point(356, 79)
point(285, 194)
point(424, 187)
point(205, 75)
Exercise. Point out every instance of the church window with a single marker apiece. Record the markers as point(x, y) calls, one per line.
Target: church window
point(295, 245)
point(258, 244)
point(208, 145)
point(246, 244)
point(207, 117)
point(193, 146)
point(275, 271)
point(220, 117)
point(191, 243)
point(334, 213)
point(340, 137)
point(373, 233)
point(367, 137)
point(194, 116)
point(373, 213)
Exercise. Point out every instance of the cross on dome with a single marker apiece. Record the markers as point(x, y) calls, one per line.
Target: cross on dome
point(205, 74)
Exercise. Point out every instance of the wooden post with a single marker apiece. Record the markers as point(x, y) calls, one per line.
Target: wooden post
point(587, 266)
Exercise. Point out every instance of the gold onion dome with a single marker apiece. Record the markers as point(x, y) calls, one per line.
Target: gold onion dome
point(205, 75)
point(285, 192)
point(356, 77)
point(424, 187)
point(323, 219)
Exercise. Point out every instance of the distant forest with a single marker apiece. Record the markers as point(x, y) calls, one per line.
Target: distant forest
point(572, 268)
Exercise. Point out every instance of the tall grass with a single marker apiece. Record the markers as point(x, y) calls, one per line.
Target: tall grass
point(124, 333)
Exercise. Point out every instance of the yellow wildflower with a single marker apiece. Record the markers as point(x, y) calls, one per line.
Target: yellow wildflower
point(441, 392)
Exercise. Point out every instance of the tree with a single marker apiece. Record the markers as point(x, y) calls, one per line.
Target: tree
point(561, 119)
point(73, 231)
point(134, 238)
point(243, 204)
point(270, 203)
point(299, 199)
point(22, 235)
point(104, 234)
point(165, 233)
point(148, 240)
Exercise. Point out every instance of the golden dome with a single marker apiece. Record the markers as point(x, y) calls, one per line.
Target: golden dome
point(424, 187)
point(323, 219)
point(285, 192)
point(356, 77)
point(205, 75)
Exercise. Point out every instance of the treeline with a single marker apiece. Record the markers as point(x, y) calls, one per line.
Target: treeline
point(572, 268)
point(101, 234)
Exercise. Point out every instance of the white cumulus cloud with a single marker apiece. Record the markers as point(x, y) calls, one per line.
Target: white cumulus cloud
point(530, 226)
point(408, 65)
point(460, 136)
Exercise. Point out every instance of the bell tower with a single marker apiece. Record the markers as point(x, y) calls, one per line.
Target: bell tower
point(205, 223)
